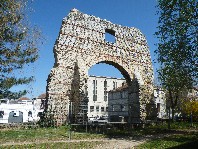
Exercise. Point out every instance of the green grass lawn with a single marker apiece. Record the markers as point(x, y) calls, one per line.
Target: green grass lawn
point(181, 136)
point(176, 125)
point(180, 141)
point(28, 135)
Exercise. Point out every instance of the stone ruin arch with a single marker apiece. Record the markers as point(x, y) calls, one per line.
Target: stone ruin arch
point(81, 44)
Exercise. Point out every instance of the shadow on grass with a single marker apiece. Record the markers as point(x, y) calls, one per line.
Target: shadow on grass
point(188, 145)
point(123, 133)
point(190, 140)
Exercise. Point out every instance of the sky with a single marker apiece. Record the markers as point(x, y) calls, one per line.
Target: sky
point(48, 16)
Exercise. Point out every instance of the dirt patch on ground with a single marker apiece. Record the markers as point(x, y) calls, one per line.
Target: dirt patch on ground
point(119, 143)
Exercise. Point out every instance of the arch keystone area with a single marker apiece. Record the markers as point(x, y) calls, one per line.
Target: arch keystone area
point(81, 44)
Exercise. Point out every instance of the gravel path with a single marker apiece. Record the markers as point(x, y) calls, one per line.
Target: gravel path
point(119, 144)
point(106, 143)
point(128, 143)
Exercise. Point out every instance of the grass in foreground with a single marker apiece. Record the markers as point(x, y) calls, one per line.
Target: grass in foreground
point(60, 145)
point(160, 128)
point(62, 133)
point(28, 135)
point(179, 141)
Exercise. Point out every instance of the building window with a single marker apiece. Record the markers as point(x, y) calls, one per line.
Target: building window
point(94, 97)
point(123, 108)
point(114, 85)
point(91, 108)
point(110, 35)
point(113, 108)
point(86, 92)
point(94, 90)
point(97, 108)
point(105, 98)
point(105, 90)
point(30, 113)
point(105, 95)
point(1, 114)
point(102, 109)
point(107, 109)
point(105, 83)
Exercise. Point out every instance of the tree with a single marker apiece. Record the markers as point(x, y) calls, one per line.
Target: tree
point(18, 45)
point(177, 48)
point(189, 105)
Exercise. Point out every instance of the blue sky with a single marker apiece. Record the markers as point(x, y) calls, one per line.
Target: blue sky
point(48, 15)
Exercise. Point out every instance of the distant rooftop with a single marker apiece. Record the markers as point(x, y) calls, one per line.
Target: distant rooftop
point(106, 77)
point(24, 98)
point(42, 96)
point(121, 88)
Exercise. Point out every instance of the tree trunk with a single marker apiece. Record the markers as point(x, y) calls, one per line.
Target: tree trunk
point(169, 119)
point(191, 119)
point(173, 113)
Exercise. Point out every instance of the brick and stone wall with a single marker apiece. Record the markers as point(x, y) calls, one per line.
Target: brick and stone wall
point(81, 44)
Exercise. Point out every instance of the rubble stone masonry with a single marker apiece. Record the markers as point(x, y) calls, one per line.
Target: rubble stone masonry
point(80, 45)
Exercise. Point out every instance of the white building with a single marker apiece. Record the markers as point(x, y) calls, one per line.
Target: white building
point(193, 93)
point(98, 88)
point(160, 101)
point(108, 97)
point(39, 102)
point(19, 111)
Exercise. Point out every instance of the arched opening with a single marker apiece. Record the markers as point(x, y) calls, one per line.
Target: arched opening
point(110, 94)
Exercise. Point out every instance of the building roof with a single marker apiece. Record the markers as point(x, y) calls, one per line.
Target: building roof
point(92, 76)
point(24, 98)
point(42, 96)
point(121, 88)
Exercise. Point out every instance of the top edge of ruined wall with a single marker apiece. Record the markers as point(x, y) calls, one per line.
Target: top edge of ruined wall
point(75, 12)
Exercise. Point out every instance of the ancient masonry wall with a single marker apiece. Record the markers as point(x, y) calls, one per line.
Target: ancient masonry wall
point(80, 45)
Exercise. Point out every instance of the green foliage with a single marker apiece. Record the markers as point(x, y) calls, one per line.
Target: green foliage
point(177, 48)
point(190, 106)
point(18, 45)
